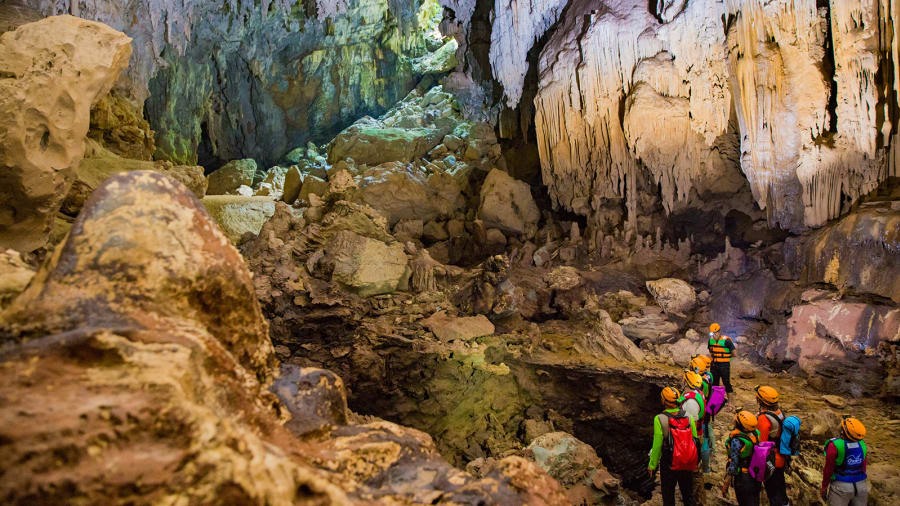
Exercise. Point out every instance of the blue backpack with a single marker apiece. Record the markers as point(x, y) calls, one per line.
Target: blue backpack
point(789, 441)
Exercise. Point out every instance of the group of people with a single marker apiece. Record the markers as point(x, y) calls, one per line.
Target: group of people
point(759, 447)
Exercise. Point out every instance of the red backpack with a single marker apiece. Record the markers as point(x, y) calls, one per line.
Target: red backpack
point(680, 444)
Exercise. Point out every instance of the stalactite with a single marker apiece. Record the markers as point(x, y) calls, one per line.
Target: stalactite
point(517, 25)
point(618, 90)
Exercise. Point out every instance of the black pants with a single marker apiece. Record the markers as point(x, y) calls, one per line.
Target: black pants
point(721, 372)
point(685, 481)
point(776, 489)
point(747, 490)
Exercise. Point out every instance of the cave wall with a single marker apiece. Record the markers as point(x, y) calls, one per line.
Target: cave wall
point(246, 79)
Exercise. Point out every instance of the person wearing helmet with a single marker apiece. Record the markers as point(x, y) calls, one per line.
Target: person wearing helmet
point(721, 349)
point(693, 403)
point(668, 478)
point(770, 420)
point(844, 480)
point(700, 364)
point(740, 445)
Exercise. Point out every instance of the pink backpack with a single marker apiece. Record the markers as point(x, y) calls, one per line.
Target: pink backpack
point(762, 461)
point(716, 401)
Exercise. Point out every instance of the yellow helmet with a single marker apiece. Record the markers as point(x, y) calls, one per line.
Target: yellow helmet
point(853, 428)
point(692, 379)
point(670, 396)
point(715, 327)
point(745, 421)
point(700, 363)
point(767, 395)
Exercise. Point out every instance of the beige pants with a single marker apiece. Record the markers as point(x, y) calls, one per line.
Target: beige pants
point(844, 494)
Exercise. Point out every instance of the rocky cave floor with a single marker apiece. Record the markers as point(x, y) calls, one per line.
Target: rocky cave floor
point(393, 317)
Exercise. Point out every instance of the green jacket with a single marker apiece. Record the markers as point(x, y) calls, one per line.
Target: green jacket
point(658, 437)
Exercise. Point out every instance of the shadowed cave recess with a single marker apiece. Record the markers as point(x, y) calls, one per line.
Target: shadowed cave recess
point(436, 251)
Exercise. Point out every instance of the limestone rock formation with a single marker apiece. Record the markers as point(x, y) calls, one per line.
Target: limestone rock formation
point(407, 192)
point(365, 265)
point(227, 179)
point(830, 339)
point(141, 346)
point(449, 328)
point(238, 215)
point(804, 160)
point(99, 164)
point(674, 296)
point(507, 204)
point(45, 104)
point(15, 275)
point(576, 466)
point(203, 90)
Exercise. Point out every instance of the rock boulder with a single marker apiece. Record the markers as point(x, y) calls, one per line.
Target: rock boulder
point(231, 176)
point(466, 328)
point(507, 204)
point(365, 265)
point(676, 297)
point(53, 72)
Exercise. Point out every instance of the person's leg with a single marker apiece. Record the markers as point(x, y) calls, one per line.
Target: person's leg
point(840, 494)
point(726, 376)
point(862, 494)
point(747, 490)
point(717, 374)
point(776, 489)
point(686, 485)
point(667, 486)
point(698, 493)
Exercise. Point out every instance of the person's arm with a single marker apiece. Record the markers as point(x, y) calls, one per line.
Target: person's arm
point(830, 460)
point(693, 427)
point(734, 457)
point(765, 426)
point(729, 344)
point(656, 450)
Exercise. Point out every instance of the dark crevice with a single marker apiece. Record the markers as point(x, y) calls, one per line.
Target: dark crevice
point(828, 71)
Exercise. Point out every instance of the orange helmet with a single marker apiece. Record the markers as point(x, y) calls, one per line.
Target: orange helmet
point(700, 363)
point(692, 379)
point(670, 396)
point(715, 327)
point(853, 428)
point(766, 395)
point(745, 421)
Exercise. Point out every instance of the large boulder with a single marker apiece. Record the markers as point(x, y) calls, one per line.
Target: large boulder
point(15, 275)
point(507, 204)
point(406, 192)
point(462, 328)
point(238, 215)
point(53, 71)
point(365, 265)
point(859, 252)
point(675, 296)
point(576, 466)
point(227, 179)
point(835, 342)
point(100, 163)
point(373, 144)
point(316, 398)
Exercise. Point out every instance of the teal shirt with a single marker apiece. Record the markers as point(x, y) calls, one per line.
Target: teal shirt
point(656, 450)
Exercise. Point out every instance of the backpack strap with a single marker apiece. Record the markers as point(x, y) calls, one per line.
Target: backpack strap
point(776, 420)
point(840, 447)
point(865, 448)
